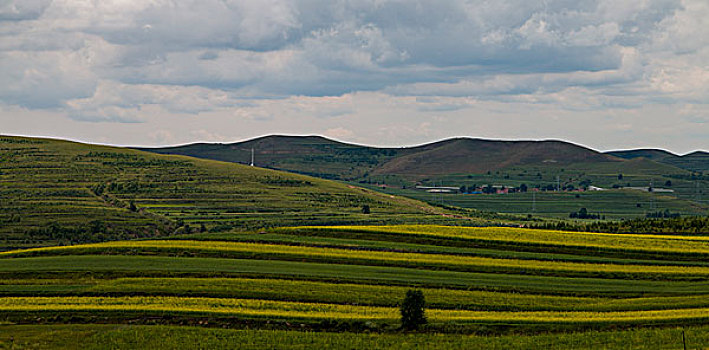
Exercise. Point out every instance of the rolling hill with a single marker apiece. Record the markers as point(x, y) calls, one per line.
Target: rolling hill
point(696, 161)
point(322, 157)
point(326, 158)
point(478, 156)
point(472, 163)
point(312, 155)
point(60, 192)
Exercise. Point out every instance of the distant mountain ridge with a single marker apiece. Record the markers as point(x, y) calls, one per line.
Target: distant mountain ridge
point(323, 157)
point(465, 155)
point(694, 161)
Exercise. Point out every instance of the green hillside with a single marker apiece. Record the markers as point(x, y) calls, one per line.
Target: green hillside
point(312, 155)
point(696, 161)
point(59, 192)
point(474, 156)
point(548, 166)
point(326, 158)
point(649, 153)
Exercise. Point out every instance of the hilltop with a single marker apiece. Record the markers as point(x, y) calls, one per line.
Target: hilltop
point(60, 192)
point(327, 158)
point(464, 155)
point(312, 155)
point(695, 161)
point(474, 165)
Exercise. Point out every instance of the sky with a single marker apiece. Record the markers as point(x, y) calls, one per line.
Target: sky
point(607, 74)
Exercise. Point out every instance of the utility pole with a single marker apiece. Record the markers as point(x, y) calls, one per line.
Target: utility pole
point(252, 156)
point(534, 201)
point(558, 184)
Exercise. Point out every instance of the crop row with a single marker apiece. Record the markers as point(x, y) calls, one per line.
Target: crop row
point(297, 310)
point(522, 236)
point(364, 243)
point(160, 266)
point(337, 255)
point(338, 293)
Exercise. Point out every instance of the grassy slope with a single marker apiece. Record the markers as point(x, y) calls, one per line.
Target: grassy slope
point(327, 158)
point(479, 156)
point(312, 155)
point(695, 161)
point(469, 162)
point(61, 192)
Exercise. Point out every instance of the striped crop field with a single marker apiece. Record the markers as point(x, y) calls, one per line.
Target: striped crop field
point(348, 278)
point(452, 262)
point(299, 310)
point(669, 244)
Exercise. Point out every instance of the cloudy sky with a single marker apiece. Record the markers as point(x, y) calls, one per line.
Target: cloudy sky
point(607, 74)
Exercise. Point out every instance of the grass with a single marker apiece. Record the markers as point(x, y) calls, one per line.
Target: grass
point(337, 293)
point(59, 192)
point(173, 337)
point(135, 266)
point(524, 239)
point(212, 244)
point(441, 163)
point(380, 258)
point(352, 278)
point(289, 310)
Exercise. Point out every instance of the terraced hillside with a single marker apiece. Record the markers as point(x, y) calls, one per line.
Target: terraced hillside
point(548, 166)
point(281, 282)
point(58, 192)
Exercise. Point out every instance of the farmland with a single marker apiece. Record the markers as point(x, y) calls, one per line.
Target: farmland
point(58, 192)
point(558, 168)
point(518, 284)
point(104, 245)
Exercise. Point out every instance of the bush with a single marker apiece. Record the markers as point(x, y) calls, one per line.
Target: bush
point(412, 310)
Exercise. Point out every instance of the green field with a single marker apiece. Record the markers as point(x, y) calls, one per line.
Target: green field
point(171, 337)
point(478, 163)
point(611, 204)
point(58, 192)
point(105, 247)
point(515, 284)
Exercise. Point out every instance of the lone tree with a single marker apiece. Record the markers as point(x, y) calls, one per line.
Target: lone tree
point(412, 313)
point(366, 209)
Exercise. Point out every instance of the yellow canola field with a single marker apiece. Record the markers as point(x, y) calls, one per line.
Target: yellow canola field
point(281, 309)
point(635, 242)
point(376, 256)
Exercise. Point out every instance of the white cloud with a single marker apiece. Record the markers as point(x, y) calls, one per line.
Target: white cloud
point(393, 65)
point(338, 133)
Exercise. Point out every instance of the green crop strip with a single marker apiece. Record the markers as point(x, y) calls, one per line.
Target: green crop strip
point(463, 263)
